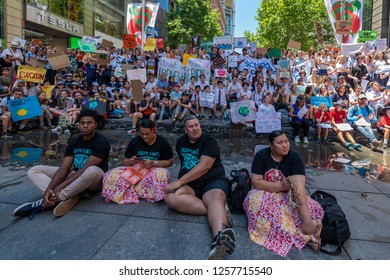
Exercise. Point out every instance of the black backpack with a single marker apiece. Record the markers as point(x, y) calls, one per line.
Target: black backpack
point(335, 228)
point(240, 185)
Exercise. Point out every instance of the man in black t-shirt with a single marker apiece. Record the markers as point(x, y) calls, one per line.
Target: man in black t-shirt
point(82, 169)
point(202, 187)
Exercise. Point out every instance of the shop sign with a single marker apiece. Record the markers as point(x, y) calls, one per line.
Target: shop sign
point(48, 19)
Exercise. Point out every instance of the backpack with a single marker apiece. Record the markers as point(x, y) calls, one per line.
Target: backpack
point(335, 228)
point(240, 185)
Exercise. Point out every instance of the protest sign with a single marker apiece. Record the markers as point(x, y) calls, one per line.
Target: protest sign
point(195, 40)
point(275, 53)
point(102, 57)
point(251, 64)
point(36, 42)
point(118, 72)
point(301, 89)
point(126, 67)
point(129, 41)
point(381, 44)
point(218, 62)
point(240, 42)
point(232, 60)
point(267, 122)
point(206, 45)
point(37, 62)
point(302, 112)
point(243, 111)
point(262, 51)
point(48, 90)
point(367, 35)
point(344, 126)
point(369, 46)
point(348, 49)
point(26, 155)
point(21, 41)
point(137, 74)
point(196, 67)
point(25, 108)
point(220, 73)
point(136, 85)
point(384, 68)
point(171, 67)
point(252, 47)
point(31, 74)
point(364, 84)
point(59, 61)
point(106, 44)
point(150, 45)
point(91, 40)
point(182, 48)
point(206, 100)
point(294, 45)
point(186, 57)
point(223, 42)
point(283, 68)
point(152, 32)
point(160, 43)
point(87, 46)
point(97, 104)
point(343, 27)
point(74, 43)
point(317, 100)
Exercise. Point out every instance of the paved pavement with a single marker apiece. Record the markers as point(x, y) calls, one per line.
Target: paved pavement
point(98, 230)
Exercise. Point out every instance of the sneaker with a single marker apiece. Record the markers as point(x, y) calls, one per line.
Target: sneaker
point(57, 130)
point(28, 209)
point(132, 131)
point(72, 128)
point(5, 135)
point(305, 141)
point(319, 141)
point(376, 144)
point(249, 125)
point(384, 146)
point(65, 206)
point(325, 141)
point(67, 132)
point(229, 216)
point(223, 244)
point(297, 140)
point(348, 145)
point(357, 146)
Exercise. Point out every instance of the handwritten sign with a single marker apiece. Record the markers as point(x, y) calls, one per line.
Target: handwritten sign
point(129, 41)
point(152, 32)
point(302, 112)
point(232, 61)
point(206, 100)
point(267, 122)
point(31, 74)
point(25, 108)
point(366, 35)
point(220, 73)
point(294, 45)
point(137, 74)
point(59, 61)
point(106, 44)
point(87, 46)
point(102, 57)
point(48, 90)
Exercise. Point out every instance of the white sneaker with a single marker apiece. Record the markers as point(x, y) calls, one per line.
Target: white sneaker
point(305, 141)
point(132, 131)
point(57, 130)
point(249, 125)
point(297, 140)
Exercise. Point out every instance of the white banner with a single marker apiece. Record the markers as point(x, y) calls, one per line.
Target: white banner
point(137, 74)
point(240, 42)
point(350, 49)
point(196, 67)
point(252, 63)
point(303, 66)
point(171, 67)
point(206, 100)
point(243, 111)
point(353, 10)
point(381, 44)
point(267, 122)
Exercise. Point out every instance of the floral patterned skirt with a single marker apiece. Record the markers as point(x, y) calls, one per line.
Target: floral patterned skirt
point(150, 188)
point(275, 224)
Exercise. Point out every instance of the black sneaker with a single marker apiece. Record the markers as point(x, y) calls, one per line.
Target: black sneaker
point(28, 209)
point(223, 245)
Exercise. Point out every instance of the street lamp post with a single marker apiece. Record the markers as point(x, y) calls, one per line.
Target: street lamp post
point(143, 24)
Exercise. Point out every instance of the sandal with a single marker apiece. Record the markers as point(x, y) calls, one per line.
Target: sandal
point(315, 241)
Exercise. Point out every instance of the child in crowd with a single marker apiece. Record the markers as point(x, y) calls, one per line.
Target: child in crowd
point(183, 108)
point(174, 97)
point(147, 110)
point(220, 102)
point(323, 120)
point(383, 126)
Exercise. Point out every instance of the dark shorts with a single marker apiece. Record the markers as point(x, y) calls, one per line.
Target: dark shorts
point(219, 183)
point(380, 129)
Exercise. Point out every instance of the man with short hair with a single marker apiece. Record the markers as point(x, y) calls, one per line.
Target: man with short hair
point(82, 169)
point(202, 187)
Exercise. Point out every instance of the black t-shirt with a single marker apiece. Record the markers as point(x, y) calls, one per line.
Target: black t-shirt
point(263, 164)
point(80, 150)
point(159, 150)
point(190, 155)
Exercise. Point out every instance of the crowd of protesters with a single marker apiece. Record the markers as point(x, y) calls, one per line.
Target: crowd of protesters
point(332, 75)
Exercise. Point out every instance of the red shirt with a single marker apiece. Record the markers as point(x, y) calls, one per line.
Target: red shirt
point(385, 120)
point(325, 118)
point(338, 116)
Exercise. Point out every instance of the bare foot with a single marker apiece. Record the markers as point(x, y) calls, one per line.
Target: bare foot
point(309, 228)
point(314, 243)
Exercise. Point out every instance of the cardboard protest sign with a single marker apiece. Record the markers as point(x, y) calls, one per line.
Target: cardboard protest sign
point(232, 61)
point(118, 72)
point(294, 45)
point(195, 40)
point(74, 43)
point(317, 100)
point(348, 49)
point(159, 43)
point(58, 61)
point(206, 100)
point(220, 73)
point(48, 90)
point(126, 67)
point(266, 122)
point(37, 62)
point(24, 108)
point(26, 155)
point(87, 47)
point(31, 74)
point(97, 104)
point(137, 74)
point(218, 62)
point(262, 50)
point(275, 53)
point(102, 57)
point(223, 42)
point(243, 111)
point(106, 44)
point(186, 57)
point(283, 68)
point(240, 42)
point(367, 35)
point(129, 41)
point(150, 45)
point(343, 27)
point(136, 85)
point(36, 42)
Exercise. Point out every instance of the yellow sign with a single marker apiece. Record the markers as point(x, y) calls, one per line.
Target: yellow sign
point(48, 91)
point(150, 44)
point(31, 74)
point(186, 57)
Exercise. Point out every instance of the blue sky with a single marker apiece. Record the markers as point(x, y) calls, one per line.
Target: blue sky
point(246, 10)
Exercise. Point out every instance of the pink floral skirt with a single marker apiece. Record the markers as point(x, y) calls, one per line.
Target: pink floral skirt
point(275, 224)
point(150, 188)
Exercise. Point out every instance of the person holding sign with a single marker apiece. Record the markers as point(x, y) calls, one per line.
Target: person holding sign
point(299, 218)
point(147, 110)
point(299, 114)
point(220, 102)
point(322, 118)
point(341, 127)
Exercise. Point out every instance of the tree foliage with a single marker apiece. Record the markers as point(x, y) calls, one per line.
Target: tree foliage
point(192, 18)
point(282, 20)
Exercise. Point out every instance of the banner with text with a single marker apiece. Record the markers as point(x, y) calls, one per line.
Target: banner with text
point(266, 122)
point(31, 74)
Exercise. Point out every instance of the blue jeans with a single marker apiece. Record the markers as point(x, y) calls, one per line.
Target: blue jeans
point(366, 131)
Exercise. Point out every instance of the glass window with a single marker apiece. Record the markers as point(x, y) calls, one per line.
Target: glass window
point(112, 25)
point(2, 20)
point(70, 9)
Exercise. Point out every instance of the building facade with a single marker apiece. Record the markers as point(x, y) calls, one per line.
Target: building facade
point(381, 18)
point(229, 7)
